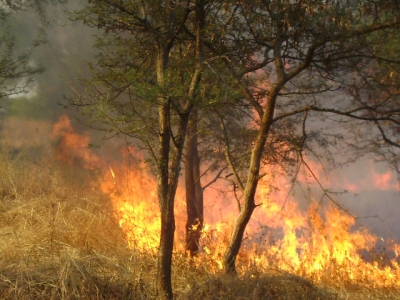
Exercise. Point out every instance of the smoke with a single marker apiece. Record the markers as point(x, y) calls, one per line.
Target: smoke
point(64, 55)
point(372, 189)
point(366, 189)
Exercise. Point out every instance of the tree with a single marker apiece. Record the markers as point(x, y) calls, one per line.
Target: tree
point(303, 52)
point(18, 63)
point(16, 69)
point(277, 58)
point(381, 81)
point(194, 190)
point(145, 86)
point(206, 151)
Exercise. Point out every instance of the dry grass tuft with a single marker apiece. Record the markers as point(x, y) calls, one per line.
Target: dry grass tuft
point(255, 288)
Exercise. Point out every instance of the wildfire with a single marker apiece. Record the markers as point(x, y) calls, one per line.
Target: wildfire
point(319, 243)
point(113, 175)
point(72, 147)
point(135, 206)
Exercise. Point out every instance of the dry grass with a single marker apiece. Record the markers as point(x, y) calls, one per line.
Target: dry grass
point(59, 240)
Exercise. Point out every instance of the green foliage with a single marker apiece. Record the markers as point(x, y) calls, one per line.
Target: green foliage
point(16, 65)
point(123, 92)
point(317, 47)
point(268, 90)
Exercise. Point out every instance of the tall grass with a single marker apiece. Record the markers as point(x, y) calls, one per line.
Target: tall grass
point(59, 240)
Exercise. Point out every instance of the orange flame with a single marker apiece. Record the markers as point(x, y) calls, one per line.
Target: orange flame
point(72, 147)
point(319, 243)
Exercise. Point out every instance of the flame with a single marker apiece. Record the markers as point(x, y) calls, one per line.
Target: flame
point(112, 173)
point(72, 147)
point(318, 242)
point(135, 206)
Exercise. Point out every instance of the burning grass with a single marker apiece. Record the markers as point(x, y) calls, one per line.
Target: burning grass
point(59, 239)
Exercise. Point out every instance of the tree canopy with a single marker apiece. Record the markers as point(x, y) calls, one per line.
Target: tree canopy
point(16, 68)
point(301, 77)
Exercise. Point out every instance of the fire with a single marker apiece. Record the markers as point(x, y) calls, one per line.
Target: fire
point(72, 147)
point(135, 206)
point(319, 243)
point(112, 173)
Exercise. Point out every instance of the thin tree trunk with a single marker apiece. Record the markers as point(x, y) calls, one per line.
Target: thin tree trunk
point(166, 208)
point(170, 158)
point(232, 251)
point(163, 185)
point(169, 165)
point(256, 154)
point(251, 185)
point(194, 190)
point(165, 251)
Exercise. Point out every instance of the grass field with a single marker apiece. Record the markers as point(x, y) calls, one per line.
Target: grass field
point(59, 239)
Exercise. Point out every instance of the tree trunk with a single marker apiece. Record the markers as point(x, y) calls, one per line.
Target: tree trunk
point(169, 166)
point(232, 251)
point(251, 184)
point(165, 251)
point(166, 207)
point(170, 154)
point(194, 190)
point(163, 185)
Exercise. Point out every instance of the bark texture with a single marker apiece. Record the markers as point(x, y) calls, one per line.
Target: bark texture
point(194, 190)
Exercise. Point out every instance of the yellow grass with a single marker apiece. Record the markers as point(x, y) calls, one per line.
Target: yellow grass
point(59, 240)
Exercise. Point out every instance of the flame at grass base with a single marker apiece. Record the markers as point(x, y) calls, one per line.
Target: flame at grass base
point(319, 243)
point(320, 246)
point(134, 199)
point(324, 249)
